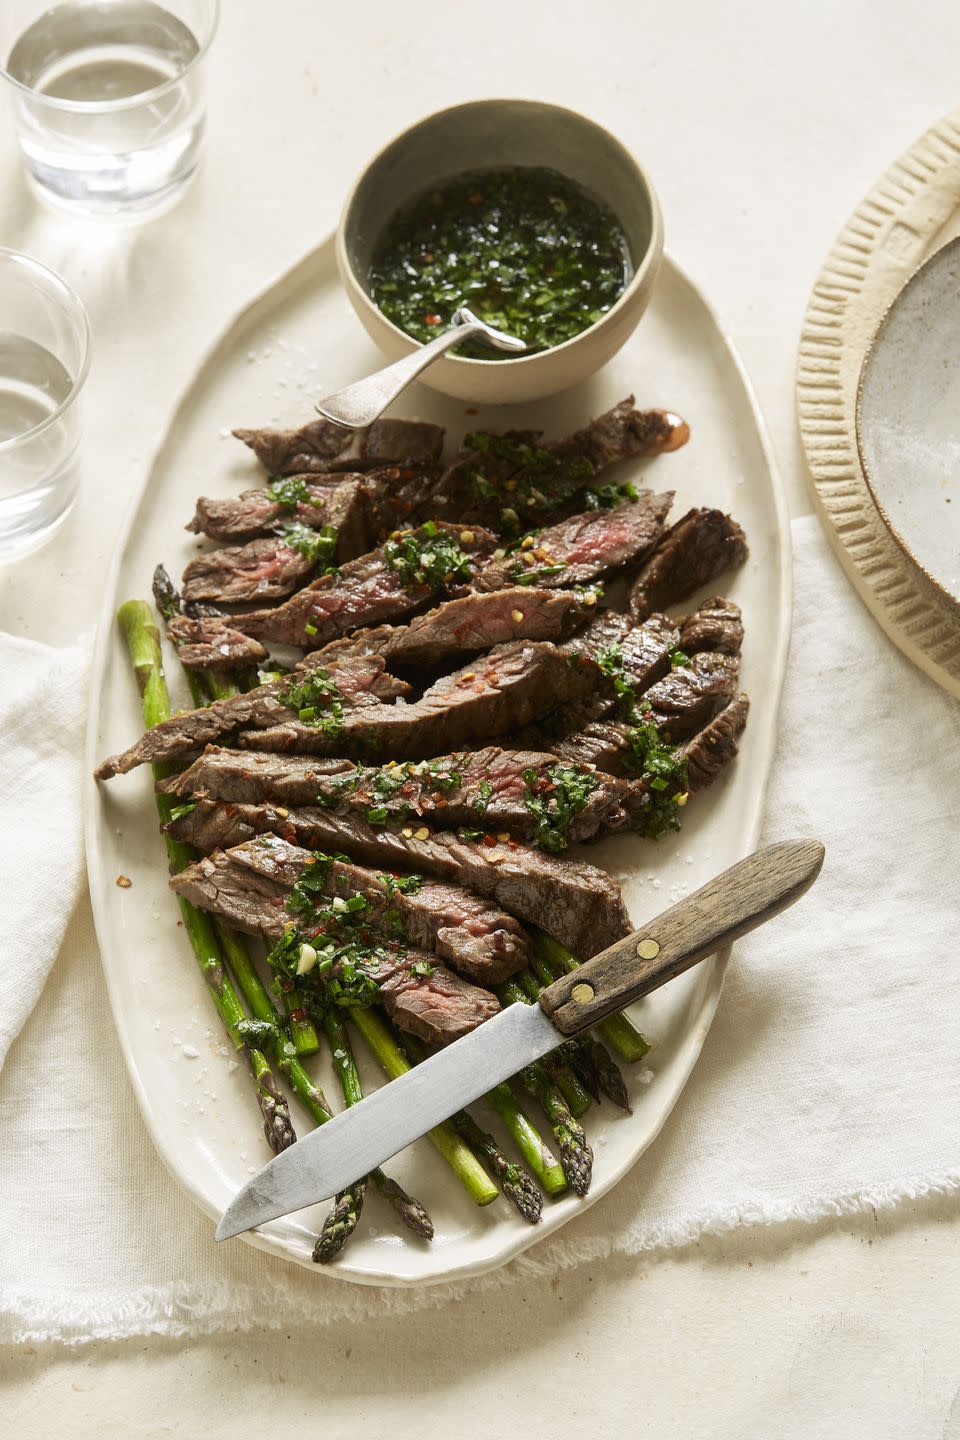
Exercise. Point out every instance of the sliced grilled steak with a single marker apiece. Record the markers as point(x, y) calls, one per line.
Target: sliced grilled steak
point(511, 482)
point(640, 652)
point(504, 692)
point(385, 584)
point(266, 569)
point(715, 626)
point(500, 792)
point(213, 644)
point(437, 1006)
point(314, 501)
point(576, 903)
point(580, 549)
point(249, 885)
point(321, 446)
point(715, 746)
point(360, 683)
point(475, 936)
point(682, 703)
point(694, 551)
point(247, 776)
point(686, 699)
point(465, 626)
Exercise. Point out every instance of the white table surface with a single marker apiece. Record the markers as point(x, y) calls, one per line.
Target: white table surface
point(762, 123)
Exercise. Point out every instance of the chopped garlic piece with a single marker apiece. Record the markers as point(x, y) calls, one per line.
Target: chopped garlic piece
point(308, 958)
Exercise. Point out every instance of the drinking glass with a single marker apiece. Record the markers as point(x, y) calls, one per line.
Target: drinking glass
point(108, 98)
point(44, 354)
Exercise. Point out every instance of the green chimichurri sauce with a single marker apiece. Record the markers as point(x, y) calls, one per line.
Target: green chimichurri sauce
point(526, 249)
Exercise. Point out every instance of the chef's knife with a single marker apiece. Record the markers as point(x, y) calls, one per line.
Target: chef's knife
point(331, 1157)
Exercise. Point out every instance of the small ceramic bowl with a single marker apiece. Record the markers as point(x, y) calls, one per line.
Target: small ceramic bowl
point(482, 135)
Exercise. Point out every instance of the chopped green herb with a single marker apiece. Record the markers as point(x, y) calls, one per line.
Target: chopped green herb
point(650, 756)
point(289, 491)
point(427, 557)
point(320, 546)
point(421, 967)
point(605, 497)
point(484, 791)
point(554, 800)
point(377, 814)
point(316, 700)
point(257, 1033)
point(179, 811)
point(526, 248)
point(678, 657)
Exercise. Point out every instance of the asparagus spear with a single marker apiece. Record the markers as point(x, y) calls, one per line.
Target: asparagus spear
point(539, 1157)
point(346, 1212)
point(143, 643)
point(590, 1060)
point(576, 1157)
point(570, 1056)
point(518, 1186)
point(554, 1066)
point(443, 1137)
point(618, 1030)
point(411, 1212)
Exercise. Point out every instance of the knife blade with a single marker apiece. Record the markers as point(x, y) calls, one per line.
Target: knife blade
point(331, 1157)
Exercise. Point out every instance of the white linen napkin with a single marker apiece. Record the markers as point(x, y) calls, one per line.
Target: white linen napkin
point(42, 707)
point(829, 1082)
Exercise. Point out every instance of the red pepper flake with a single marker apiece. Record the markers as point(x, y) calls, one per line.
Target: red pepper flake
point(471, 410)
point(124, 882)
point(431, 318)
point(514, 844)
point(489, 841)
point(475, 198)
point(298, 1015)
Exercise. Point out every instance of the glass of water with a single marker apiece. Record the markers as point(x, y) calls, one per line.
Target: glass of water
point(108, 98)
point(44, 354)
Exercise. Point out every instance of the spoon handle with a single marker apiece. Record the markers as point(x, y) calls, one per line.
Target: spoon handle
point(359, 405)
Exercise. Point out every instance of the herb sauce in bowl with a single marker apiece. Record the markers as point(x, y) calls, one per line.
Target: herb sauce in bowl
point(527, 250)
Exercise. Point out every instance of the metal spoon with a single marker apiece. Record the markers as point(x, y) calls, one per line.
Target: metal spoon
point(359, 405)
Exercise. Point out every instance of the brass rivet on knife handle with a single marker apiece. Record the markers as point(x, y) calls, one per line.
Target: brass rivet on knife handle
point(743, 897)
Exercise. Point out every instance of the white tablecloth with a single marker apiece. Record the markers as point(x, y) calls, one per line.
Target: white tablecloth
point(762, 125)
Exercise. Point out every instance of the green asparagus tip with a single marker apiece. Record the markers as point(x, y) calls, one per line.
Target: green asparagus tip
point(339, 1224)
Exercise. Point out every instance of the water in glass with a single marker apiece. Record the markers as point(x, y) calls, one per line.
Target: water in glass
point(110, 117)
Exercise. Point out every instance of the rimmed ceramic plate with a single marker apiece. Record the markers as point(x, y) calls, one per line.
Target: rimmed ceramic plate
point(295, 342)
point(908, 420)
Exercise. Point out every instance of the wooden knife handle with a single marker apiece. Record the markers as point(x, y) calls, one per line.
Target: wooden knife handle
point(727, 907)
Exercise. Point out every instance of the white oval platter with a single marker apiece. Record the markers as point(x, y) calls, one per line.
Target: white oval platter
point(297, 341)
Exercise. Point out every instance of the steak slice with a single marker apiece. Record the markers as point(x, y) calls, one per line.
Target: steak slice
point(477, 938)
point(266, 569)
point(361, 683)
point(321, 446)
point(640, 652)
point(686, 699)
point(490, 789)
point(693, 552)
point(716, 625)
point(467, 625)
point(382, 585)
point(247, 776)
point(437, 1006)
point(576, 903)
point(504, 692)
point(580, 549)
point(680, 705)
point(213, 644)
point(338, 501)
point(715, 746)
point(511, 482)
